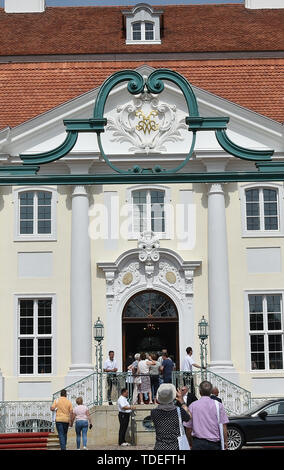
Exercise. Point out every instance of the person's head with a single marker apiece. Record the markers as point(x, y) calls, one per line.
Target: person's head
point(165, 355)
point(215, 391)
point(205, 388)
point(142, 356)
point(164, 351)
point(184, 390)
point(137, 357)
point(111, 355)
point(63, 393)
point(124, 392)
point(166, 394)
point(154, 356)
point(189, 351)
point(79, 401)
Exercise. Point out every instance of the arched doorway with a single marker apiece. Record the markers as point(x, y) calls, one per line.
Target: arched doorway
point(150, 323)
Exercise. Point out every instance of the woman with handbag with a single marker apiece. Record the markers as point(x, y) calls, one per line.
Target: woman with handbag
point(168, 418)
point(136, 379)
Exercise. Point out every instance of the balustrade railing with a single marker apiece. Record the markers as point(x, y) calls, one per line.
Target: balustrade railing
point(25, 416)
point(101, 388)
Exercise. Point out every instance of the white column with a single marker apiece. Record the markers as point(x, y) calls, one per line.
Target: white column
point(81, 288)
point(218, 285)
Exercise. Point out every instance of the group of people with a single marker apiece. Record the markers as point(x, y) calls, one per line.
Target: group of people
point(203, 420)
point(66, 415)
point(146, 372)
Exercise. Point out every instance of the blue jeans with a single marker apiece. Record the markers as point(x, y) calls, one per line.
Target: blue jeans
point(62, 429)
point(81, 427)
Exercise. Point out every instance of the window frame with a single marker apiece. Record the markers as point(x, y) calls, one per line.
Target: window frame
point(143, 13)
point(265, 331)
point(35, 335)
point(35, 236)
point(133, 235)
point(142, 31)
point(262, 233)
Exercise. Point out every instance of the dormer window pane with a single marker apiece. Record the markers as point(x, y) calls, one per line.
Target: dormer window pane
point(149, 31)
point(136, 32)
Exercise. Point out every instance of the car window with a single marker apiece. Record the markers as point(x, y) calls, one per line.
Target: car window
point(275, 409)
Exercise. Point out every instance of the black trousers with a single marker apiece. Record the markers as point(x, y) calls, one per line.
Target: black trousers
point(203, 444)
point(123, 421)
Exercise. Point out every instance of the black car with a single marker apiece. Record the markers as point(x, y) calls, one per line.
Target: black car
point(263, 424)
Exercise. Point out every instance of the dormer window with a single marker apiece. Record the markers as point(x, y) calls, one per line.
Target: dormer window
point(142, 25)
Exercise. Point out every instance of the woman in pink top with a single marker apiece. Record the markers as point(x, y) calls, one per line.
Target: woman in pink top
point(83, 419)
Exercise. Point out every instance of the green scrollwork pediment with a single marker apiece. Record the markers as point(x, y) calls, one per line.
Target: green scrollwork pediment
point(154, 84)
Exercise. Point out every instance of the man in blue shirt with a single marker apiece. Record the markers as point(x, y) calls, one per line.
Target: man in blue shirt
point(167, 368)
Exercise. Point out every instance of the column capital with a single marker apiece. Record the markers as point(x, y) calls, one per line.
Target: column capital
point(215, 188)
point(79, 190)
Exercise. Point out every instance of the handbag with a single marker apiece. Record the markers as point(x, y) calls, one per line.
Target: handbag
point(182, 439)
point(220, 425)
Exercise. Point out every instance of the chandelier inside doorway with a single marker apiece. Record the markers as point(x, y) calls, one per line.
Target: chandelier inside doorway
point(152, 305)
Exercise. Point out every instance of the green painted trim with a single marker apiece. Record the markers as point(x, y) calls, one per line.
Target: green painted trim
point(270, 166)
point(130, 178)
point(18, 170)
point(155, 85)
point(135, 86)
point(239, 151)
point(198, 123)
point(52, 155)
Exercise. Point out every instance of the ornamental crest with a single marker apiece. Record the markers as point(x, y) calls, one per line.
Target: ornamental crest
point(147, 124)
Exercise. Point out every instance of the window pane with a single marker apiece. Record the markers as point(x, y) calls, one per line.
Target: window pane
point(136, 31)
point(44, 198)
point(149, 31)
point(26, 212)
point(252, 195)
point(273, 303)
point(252, 209)
point(26, 356)
point(257, 352)
point(253, 223)
point(27, 198)
point(44, 356)
point(44, 212)
point(44, 226)
point(26, 227)
point(269, 195)
point(271, 223)
point(275, 351)
point(255, 303)
point(256, 321)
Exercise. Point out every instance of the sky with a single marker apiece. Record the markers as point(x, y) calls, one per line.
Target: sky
point(50, 3)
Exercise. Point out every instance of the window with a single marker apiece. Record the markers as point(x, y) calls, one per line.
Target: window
point(35, 214)
point(148, 211)
point(266, 331)
point(35, 336)
point(143, 31)
point(262, 208)
point(142, 25)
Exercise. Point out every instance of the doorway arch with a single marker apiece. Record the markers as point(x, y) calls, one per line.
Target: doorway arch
point(150, 323)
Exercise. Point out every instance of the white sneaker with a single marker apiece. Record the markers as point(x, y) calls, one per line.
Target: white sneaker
point(85, 448)
point(125, 444)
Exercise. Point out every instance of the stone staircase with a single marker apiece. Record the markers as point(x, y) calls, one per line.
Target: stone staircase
point(29, 441)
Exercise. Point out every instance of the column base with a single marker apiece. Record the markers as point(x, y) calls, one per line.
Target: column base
point(77, 372)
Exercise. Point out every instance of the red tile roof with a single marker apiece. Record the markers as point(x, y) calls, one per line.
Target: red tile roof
point(29, 89)
point(186, 28)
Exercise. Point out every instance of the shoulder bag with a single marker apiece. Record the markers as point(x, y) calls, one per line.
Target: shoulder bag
point(182, 439)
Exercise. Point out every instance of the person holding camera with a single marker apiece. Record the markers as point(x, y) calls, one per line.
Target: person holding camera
point(82, 418)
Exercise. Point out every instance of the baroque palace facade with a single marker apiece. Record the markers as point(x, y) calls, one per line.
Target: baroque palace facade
point(149, 257)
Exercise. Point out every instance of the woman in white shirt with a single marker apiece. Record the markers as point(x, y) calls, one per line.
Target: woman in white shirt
point(82, 416)
point(143, 372)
